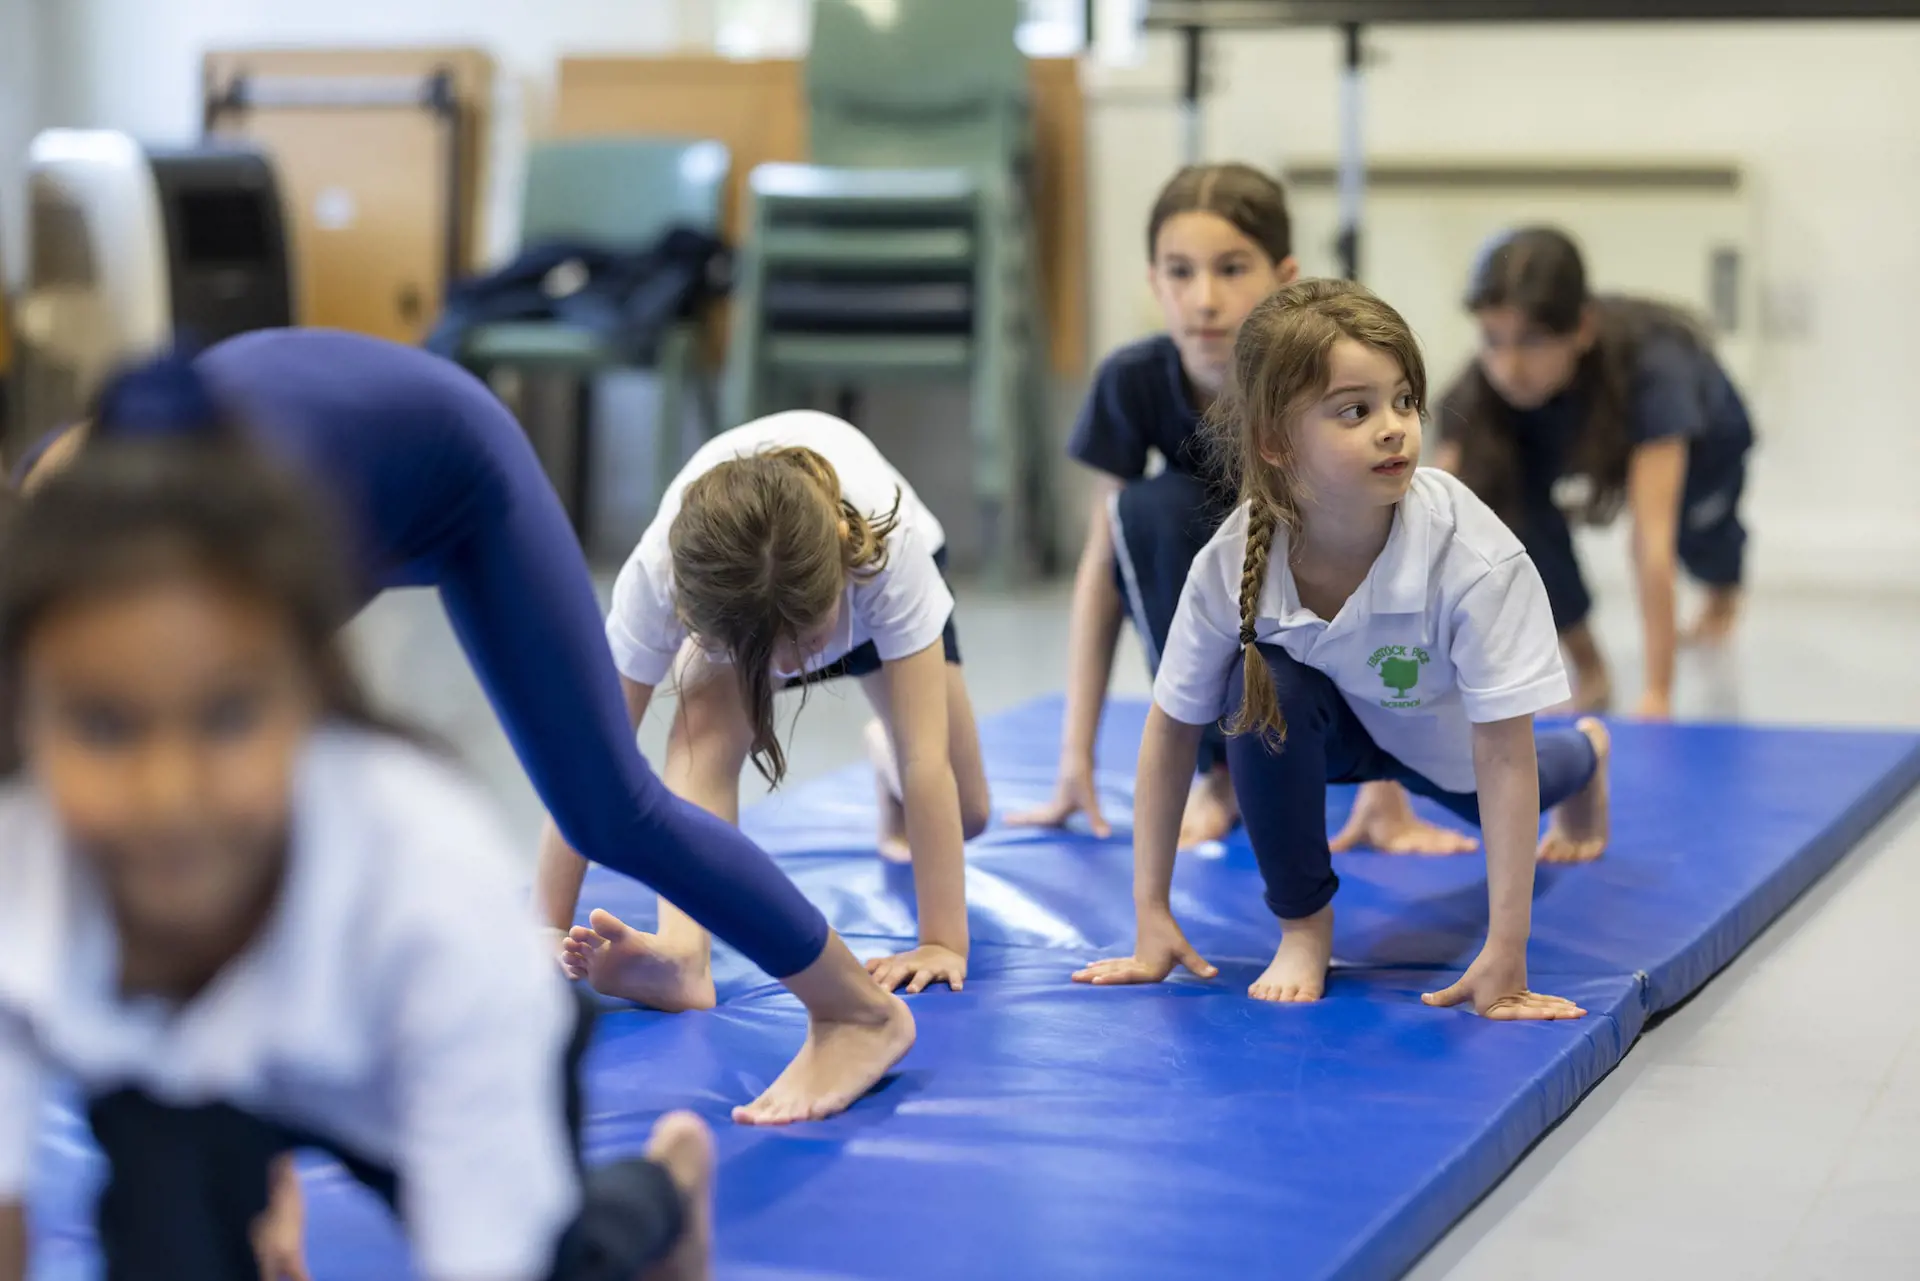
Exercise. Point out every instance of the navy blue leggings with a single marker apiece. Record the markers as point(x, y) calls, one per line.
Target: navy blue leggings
point(1283, 794)
point(436, 485)
point(1159, 525)
point(517, 592)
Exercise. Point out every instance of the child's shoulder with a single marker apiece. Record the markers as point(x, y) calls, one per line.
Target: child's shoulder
point(1472, 533)
point(1146, 364)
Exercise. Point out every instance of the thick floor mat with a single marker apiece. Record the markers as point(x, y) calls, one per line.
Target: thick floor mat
point(1043, 1130)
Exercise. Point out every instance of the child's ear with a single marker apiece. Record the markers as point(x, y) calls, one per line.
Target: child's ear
point(1286, 271)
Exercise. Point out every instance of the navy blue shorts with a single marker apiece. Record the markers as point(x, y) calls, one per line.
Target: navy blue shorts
point(864, 659)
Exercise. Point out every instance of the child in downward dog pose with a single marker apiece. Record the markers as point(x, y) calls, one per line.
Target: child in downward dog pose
point(788, 552)
point(245, 918)
point(1357, 619)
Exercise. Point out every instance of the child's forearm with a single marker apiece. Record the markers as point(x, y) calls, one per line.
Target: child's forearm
point(931, 799)
point(13, 1242)
point(1655, 581)
point(558, 873)
point(1168, 750)
point(1507, 774)
point(1093, 632)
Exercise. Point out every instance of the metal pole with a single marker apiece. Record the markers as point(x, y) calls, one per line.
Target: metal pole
point(1353, 151)
point(1194, 48)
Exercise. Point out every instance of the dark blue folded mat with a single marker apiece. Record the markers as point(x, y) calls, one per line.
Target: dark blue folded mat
point(1043, 1130)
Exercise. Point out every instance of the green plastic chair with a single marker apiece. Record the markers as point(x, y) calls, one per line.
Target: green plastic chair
point(622, 193)
point(916, 205)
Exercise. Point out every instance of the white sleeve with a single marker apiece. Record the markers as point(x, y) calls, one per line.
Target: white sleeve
point(1202, 644)
point(480, 1023)
point(643, 629)
point(20, 1082)
point(1505, 652)
point(907, 604)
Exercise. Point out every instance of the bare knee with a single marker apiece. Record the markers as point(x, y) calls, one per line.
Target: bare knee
point(976, 810)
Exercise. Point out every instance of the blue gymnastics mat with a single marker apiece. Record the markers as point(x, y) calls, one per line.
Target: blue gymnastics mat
point(1043, 1130)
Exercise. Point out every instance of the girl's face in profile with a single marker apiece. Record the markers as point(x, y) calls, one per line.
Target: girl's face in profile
point(165, 722)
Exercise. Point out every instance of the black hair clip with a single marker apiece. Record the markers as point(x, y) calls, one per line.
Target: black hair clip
point(1246, 635)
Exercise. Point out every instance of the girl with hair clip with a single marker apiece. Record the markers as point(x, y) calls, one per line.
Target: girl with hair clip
point(433, 483)
point(1219, 239)
point(789, 552)
point(1356, 619)
point(1624, 397)
point(245, 916)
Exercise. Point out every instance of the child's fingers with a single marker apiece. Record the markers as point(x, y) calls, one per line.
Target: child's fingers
point(1197, 964)
point(1447, 997)
point(1050, 815)
point(918, 983)
point(1100, 970)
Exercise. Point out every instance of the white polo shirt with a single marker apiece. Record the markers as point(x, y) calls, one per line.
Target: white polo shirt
point(1450, 627)
point(399, 1003)
point(902, 609)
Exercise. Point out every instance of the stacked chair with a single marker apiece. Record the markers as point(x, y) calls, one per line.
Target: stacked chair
point(906, 251)
point(615, 193)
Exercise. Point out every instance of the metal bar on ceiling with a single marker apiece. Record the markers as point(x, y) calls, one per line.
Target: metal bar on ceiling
point(1286, 13)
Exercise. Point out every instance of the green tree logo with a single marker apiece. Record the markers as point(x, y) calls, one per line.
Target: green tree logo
point(1400, 675)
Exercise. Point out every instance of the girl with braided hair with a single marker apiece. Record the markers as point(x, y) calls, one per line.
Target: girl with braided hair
point(788, 552)
point(1357, 619)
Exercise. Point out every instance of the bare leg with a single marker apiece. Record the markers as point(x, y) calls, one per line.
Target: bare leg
point(963, 751)
point(1383, 820)
point(683, 1146)
point(1579, 830)
point(1592, 685)
point(1299, 969)
point(1212, 812)
point(1717, 617)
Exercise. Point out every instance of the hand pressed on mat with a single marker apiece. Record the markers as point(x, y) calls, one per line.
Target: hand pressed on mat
point(1496, 986)
point(920, 968)
point(1159, 945)
point(1074, 793)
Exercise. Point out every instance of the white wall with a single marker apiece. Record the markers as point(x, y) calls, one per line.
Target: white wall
point(1824, 120)
point(20, 117)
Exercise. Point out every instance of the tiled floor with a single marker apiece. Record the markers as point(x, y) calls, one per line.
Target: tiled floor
point(1769, 1129)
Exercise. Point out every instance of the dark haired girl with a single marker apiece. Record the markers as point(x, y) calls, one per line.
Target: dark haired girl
point(433, 483)
point(1623, 400)
point(244, 918)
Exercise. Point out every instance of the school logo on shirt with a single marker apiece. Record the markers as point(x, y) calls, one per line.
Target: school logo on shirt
point(1399, 667)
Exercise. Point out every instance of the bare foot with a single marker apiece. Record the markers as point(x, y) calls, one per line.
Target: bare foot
point(1578, 833)
point(1212, 812)
point(1299, 969)
point(629, 965)
point(855, 1035)
point(886, 794)
point(1383, 820)
point(1717, 618)
point(682, 1145)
